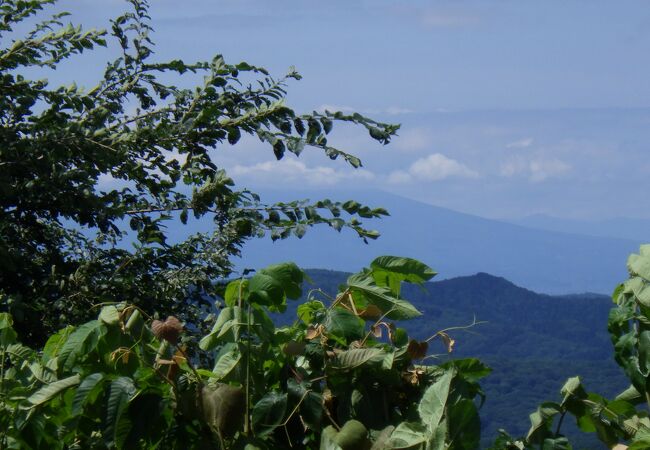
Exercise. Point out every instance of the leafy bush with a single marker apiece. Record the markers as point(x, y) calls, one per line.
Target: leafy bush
point(70, 240)
point(343, 376)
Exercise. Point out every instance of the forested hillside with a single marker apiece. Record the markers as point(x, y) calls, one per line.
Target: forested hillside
point(533, 342)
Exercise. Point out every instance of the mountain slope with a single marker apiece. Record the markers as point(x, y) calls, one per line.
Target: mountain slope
point(457, 244)
point(624, 228)
point(533, 342)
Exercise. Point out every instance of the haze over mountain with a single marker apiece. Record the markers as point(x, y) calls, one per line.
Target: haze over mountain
point(457, 244)
point(621, 227)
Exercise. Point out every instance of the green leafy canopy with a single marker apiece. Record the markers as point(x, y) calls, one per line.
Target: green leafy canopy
point(63, 229)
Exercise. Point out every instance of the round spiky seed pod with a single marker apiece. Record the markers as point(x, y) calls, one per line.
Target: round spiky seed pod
point(169, 330)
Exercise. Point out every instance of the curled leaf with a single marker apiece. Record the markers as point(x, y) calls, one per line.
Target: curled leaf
point(121, 354)
point(313, 332)
point(413, 376)
point(449, 342)
point(417, 350)
point(371, 312)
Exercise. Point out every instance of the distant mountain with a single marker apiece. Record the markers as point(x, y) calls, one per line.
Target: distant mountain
point(456, 244)
point(623, 228)
point(533, 342)
point(517, 322)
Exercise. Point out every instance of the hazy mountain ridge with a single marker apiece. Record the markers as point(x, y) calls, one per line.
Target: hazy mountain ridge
point(456, 244)
point(618, 228)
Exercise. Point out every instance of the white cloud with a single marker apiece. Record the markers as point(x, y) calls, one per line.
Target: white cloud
point(413, 139)
point(293, 171)
point(395, 110)
point(390, 110)
point(541, 170)
point(521, 143)
point(399, 177)
point(334, 108)
point(434, 167)
point(536, 169)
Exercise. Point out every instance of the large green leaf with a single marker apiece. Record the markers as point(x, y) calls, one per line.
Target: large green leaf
point(464, 424)
point(382, 297)
point(572, 391)
point(343, 324)
point(117, 424)
point(311, 403)
point(266, 290)
point(47, 392)
point(44, 372)
point(262, 324)
point(289, 276)
point(227, 359)
point(85, 391)
point(236, 291)
point(110, 315)
point(7, 333)
point(640, 264)
point(631, 395)
point(559, 443)
point(640, 444)
point(541, 421)
point(306, 311)
point(6, 321)
point(644, 250)
point(357, 357)
point(469, 368)
point(390, 271)
point(19, 353)
point(272, 285)
point(438, 439)
point(644, 352)
point(269, 412)
point(225, 329)
point(643, 295)
point(55, 343)
point(407, 435)
point(80, 342)
point(434, 400)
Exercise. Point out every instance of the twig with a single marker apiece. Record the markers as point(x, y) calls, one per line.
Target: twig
point(464, 327)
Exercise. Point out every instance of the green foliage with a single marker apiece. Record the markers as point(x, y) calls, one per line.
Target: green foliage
point(617, 420)
point(327, 379)
point(341, 377)
point(66, 234)
point(531, 341)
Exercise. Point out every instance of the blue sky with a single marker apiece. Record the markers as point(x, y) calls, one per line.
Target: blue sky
point(508, 108)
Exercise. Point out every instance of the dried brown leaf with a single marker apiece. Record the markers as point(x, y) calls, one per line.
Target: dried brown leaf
point(417, 350)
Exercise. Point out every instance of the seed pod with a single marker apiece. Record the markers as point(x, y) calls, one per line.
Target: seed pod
point(224, 408)
point(353, 436)
point(328, 436)
point(169, 330)
point(293, 348)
